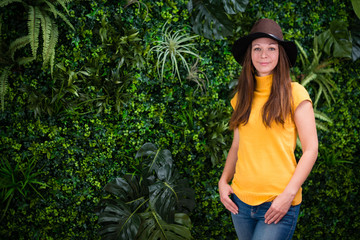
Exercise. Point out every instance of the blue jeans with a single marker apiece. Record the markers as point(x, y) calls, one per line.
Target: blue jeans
point(250, 222)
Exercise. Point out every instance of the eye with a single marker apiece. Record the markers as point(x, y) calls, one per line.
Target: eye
point(257, 49)
point(272, 49)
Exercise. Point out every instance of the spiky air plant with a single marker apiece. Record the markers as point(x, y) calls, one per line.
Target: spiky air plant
point(171, 47)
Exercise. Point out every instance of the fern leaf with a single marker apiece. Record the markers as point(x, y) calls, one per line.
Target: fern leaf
point(317, 96)
point(17, 44)
point(52, 8)
point(3, 3)
point(3, 86)
point(322, 116)
point(63, 4)
point(46, 24)
point(321, 126)
point(53, 40)
point(308, 79)
point(25, 60)
point(34, 28)
point(306, 59)
point(62, 16)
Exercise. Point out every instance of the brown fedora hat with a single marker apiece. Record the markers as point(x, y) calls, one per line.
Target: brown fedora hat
point(264, 28)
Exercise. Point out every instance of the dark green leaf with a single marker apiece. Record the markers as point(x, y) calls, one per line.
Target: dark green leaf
point(119, 222)
point(155, 158)
point(170, 194)
point(355, 33)
point(154, 228)
point(129, 189)
point(235, 6)
point(208, 21)
point(336, 40)
point(356, 7)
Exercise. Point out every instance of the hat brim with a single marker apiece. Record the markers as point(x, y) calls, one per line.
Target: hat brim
point(240, 46)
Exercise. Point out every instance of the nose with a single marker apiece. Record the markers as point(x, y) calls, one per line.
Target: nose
point(263, 54)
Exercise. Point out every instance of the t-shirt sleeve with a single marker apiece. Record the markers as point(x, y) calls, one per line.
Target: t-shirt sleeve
point(300, 94)
point(233, 101)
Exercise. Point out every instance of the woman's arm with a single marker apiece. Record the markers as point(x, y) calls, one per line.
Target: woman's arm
point(306, 127)
point(228, 173)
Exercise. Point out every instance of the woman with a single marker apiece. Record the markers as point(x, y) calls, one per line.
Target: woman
point(269, 112)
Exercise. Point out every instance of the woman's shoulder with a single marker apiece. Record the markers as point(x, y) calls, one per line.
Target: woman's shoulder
point(299, 93)
point(297, 86)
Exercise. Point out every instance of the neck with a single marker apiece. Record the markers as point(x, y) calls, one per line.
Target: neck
point(263, 83)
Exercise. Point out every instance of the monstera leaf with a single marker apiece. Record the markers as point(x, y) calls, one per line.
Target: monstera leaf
point(154, 228)
point(209, 17)
point(336, 40)
point(169, 192)
point(154, 158)
point(149, 205)
point(129, 189)
point(119, 221)
point(355, 34)
point(356, 7)
point(235, 6)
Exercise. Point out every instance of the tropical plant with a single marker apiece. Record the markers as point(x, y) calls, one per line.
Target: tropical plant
point(320, 118)
point(38, 16)
point(356, 7)
point(130, 2)
point(210, 17)
point(8, 60)
point(111, 90)
point(150, 204)
point(62, 94)
point(18, 180)
point(122, 43)
point(355, 35)
point(195, 76)
point(318, 72)
point(216, 127)
point(112, 69)
point(173, 46)
point(331, 158)
point(336, 41)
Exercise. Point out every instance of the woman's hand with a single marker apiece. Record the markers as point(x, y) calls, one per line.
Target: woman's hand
point(278, 209)
point(225, 191)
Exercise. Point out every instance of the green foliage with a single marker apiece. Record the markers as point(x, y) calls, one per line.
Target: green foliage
point(148, 202)
point(38, 17)
point(17, 180)
point(62, 95)
point(356, 6)
point(336, 41)
point(209, 18)
point(3, 86)
point(108, 102)
point(196, 76)
point(355, 35)
point(317, 71)
point(173, 46)
point(8, 61)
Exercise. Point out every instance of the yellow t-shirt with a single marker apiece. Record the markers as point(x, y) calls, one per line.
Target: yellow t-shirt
point(266, 159)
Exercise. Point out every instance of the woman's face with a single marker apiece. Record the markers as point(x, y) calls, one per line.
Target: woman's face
point(264, 55)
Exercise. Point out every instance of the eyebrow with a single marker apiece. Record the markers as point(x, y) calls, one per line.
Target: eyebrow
point(256, 44)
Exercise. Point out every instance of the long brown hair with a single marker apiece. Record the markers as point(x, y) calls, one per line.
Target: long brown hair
point(279, 105)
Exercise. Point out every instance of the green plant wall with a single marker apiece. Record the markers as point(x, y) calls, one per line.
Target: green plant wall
point(83, 124)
